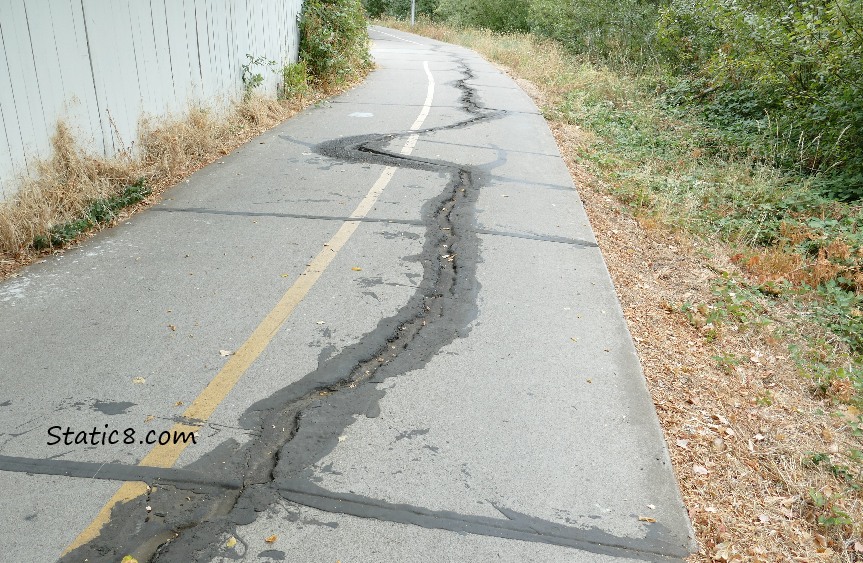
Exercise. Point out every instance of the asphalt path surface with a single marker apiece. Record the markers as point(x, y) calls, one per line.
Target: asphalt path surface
point(382, 331)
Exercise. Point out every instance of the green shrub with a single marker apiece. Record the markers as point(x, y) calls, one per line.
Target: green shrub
point(496, 15)
point(789, 77)
point(400, 9)
point(375, 8)
point(334, 43)
point(620, 32)
point(778, 84)
point(295, 80)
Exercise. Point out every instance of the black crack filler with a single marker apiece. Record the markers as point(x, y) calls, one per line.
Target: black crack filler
point(301, 423)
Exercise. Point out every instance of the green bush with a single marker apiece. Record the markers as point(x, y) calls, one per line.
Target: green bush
point(620, 32)
point(334, 43)
point(788, 76)
point(779, 83)
point(400, 9)
point(375, 8)
point(496, 15)
point(295, 80)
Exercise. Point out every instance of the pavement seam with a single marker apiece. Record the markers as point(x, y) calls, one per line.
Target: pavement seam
point(516, 526)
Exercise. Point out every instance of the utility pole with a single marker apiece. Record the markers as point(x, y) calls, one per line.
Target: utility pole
point(413, 11)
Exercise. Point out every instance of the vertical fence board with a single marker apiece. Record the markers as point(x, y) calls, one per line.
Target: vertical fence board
point(102, 64)
point(164, 76)
point(80, 107)
point(202, 38)
point(133, 13)
point(12, 141)
point(27, 103)
point(46, 64)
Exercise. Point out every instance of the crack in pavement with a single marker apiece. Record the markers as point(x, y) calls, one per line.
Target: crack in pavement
point(116, 472)
point(340, 219)
point(343, 219)
point(516, 525)
point(301, 423)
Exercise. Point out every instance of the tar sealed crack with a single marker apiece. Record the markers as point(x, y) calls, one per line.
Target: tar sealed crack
point(301, 423)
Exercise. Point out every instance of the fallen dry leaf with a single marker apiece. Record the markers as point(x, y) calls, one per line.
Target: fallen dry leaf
point(646, 519)
point(724, 552)
point(357, 269)
point(129, 559)
point(232, 541)
point(139, 380)
point(149, 418)
point(272, 539)
point(172, 327)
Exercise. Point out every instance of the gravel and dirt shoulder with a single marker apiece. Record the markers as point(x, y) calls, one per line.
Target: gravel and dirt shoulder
point(743, 426)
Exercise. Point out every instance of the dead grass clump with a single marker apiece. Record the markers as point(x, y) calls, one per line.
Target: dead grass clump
point(60, 190)
point(65, 185)
point(174, 147)
point(773, 265)
point(170, 147)
point(783, 263)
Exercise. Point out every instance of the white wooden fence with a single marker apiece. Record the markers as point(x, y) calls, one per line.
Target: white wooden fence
point(101, 65)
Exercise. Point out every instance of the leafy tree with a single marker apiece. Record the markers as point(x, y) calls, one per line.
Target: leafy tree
point(400, 8)
point(496, 15)
point(374, 8)
point(619, 31)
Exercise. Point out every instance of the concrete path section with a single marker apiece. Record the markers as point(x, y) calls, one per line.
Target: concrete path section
point(382, 331)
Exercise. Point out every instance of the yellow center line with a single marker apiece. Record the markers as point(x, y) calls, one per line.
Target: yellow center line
point(215, 392)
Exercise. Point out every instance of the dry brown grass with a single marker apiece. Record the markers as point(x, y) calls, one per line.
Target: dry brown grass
point(752, 425)
point(58, 192)
point(781, 263)
point(741, 431)
point(168, 149)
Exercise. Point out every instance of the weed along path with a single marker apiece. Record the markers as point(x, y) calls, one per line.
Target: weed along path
point(382, 331)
